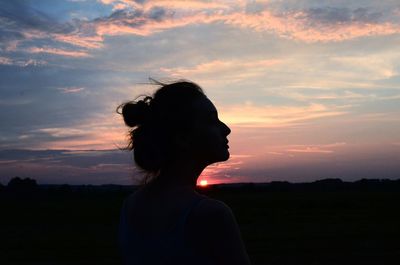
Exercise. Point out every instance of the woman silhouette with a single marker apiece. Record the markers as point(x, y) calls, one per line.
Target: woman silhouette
point(175, 135)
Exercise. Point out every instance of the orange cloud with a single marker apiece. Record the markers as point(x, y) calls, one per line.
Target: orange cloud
point(101, 132)
point(231, 67)
point(89, 42)
point(249, 115)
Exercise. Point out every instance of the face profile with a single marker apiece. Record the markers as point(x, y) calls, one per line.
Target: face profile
point(209, 143)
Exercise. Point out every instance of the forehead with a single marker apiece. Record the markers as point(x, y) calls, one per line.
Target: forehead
point(203, 107)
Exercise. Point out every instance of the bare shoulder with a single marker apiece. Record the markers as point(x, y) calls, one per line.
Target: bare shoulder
point(213, 205)
point(208, 217)
point(209, 207)
point(216, 226)
point(212, 215)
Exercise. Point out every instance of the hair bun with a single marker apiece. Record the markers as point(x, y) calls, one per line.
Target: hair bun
point(136, 112)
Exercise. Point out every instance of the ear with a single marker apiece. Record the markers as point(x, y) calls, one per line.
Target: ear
point(183, 141)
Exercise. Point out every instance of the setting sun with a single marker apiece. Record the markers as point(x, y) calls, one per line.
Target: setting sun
point(203, 183)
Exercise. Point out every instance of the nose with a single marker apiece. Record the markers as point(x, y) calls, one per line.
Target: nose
point(225, 129)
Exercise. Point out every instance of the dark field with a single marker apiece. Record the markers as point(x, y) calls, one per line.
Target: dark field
point(79, 226)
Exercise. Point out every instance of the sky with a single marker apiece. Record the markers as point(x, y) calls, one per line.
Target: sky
point(310, 89)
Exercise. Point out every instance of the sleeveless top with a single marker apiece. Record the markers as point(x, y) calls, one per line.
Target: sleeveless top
point(169, 248)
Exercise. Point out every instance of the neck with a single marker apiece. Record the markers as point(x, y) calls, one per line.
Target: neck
point(181, 174)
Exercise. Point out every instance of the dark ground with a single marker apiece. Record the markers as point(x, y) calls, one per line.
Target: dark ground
point(66, 225)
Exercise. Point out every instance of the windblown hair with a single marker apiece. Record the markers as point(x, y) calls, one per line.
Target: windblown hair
point(155, 121)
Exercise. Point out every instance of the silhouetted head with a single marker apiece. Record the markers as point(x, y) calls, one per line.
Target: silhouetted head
point(178, 122)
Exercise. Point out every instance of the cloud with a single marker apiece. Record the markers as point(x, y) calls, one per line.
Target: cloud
point(250, 115)
point(6, 61)
point(375, 66)
point(228, 68)
point(69, 90)
point(319, 149)
point(80, 40)
point(55, 51)
point(21, 63)
point(145, 23)
point(335, 15)
point(310, 25)
point(14, 102)
point(68, 166)
point(176, 5)
point(62, 132)
point(314, 25)
point(336, 95)
point(223, 172)
point(101, 131)
point(22, 24)
point(92, 166)
point(323, 24)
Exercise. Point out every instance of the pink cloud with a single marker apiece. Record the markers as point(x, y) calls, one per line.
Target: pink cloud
point(89, 42)
point(102, 132)
point(320, 149)
point(298, 25)
point(5, 61)
point(132, 18)
point(12, 46)
point(310, 150)
point(150, 17)
point(217, 173)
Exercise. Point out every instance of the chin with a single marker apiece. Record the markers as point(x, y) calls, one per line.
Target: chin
point(227, 155)
point(224, 156)
point(220, 157)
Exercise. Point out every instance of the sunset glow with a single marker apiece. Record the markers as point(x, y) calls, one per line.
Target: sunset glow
point(310, 89)
point(203, 183)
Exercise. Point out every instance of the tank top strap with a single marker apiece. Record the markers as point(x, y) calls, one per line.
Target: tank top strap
point(183, 220)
